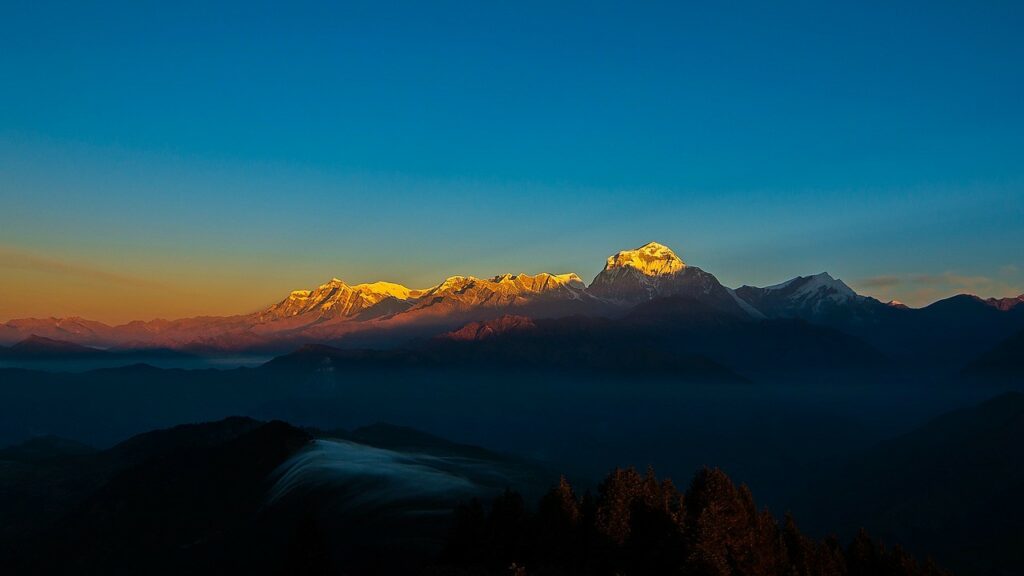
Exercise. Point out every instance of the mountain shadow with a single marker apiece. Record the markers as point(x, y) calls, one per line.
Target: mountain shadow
point(953, 488)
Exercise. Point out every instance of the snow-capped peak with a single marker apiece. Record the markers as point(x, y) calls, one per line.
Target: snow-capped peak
point(571, 279)
point(823, 283)
point(652, 259)
point(540, 282)
point(335, 299)
point(453, 283)
point(387, 289)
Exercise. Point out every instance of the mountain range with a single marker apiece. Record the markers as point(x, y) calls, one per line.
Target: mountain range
point(383, 314)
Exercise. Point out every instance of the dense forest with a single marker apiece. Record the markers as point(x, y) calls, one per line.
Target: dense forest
point(638, 524)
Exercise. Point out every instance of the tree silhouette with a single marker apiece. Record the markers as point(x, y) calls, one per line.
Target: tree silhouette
point(638, 525)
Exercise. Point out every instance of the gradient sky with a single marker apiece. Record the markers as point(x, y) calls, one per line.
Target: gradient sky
point(180, 158)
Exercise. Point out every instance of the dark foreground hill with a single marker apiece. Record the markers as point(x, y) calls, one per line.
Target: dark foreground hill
point(241, 496)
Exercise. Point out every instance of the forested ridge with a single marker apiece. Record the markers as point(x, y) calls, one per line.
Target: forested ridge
point(638, 524)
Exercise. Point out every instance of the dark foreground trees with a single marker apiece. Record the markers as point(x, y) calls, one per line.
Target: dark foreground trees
point(636, 524)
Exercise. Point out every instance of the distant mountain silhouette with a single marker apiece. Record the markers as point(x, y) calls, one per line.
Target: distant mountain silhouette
point(950, 332)
point(38, 352)
point(41, 348)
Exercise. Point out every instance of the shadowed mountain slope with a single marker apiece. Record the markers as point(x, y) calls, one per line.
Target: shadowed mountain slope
point(953, 488)
point(1005, 362)
point(241, 495)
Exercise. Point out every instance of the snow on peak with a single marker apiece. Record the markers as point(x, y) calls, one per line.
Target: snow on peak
point(652, 259)
point(508, 284)
point(823, 283)
point(387, 289)
point(453, 283)
point(336, 288)
point(827, 282)
point(332, 284)
point(335, 299)
point(540, 282)
point(571, 279)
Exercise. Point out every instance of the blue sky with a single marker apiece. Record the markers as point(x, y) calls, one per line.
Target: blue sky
point(230, 153)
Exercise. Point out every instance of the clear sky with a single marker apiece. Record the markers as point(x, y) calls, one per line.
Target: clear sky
point(180, 158)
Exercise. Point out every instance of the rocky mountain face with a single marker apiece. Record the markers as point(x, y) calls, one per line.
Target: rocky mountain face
point(335, 310)
point(508, 291)
point(654, 271)
point(490, 328)
point(819, 298)
point(336, 299)
point(1005, 304)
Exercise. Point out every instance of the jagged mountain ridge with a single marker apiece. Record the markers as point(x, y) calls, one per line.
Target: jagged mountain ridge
point(1005, 304)
point(336, 310)
point(336, 299)
point(819, 298)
